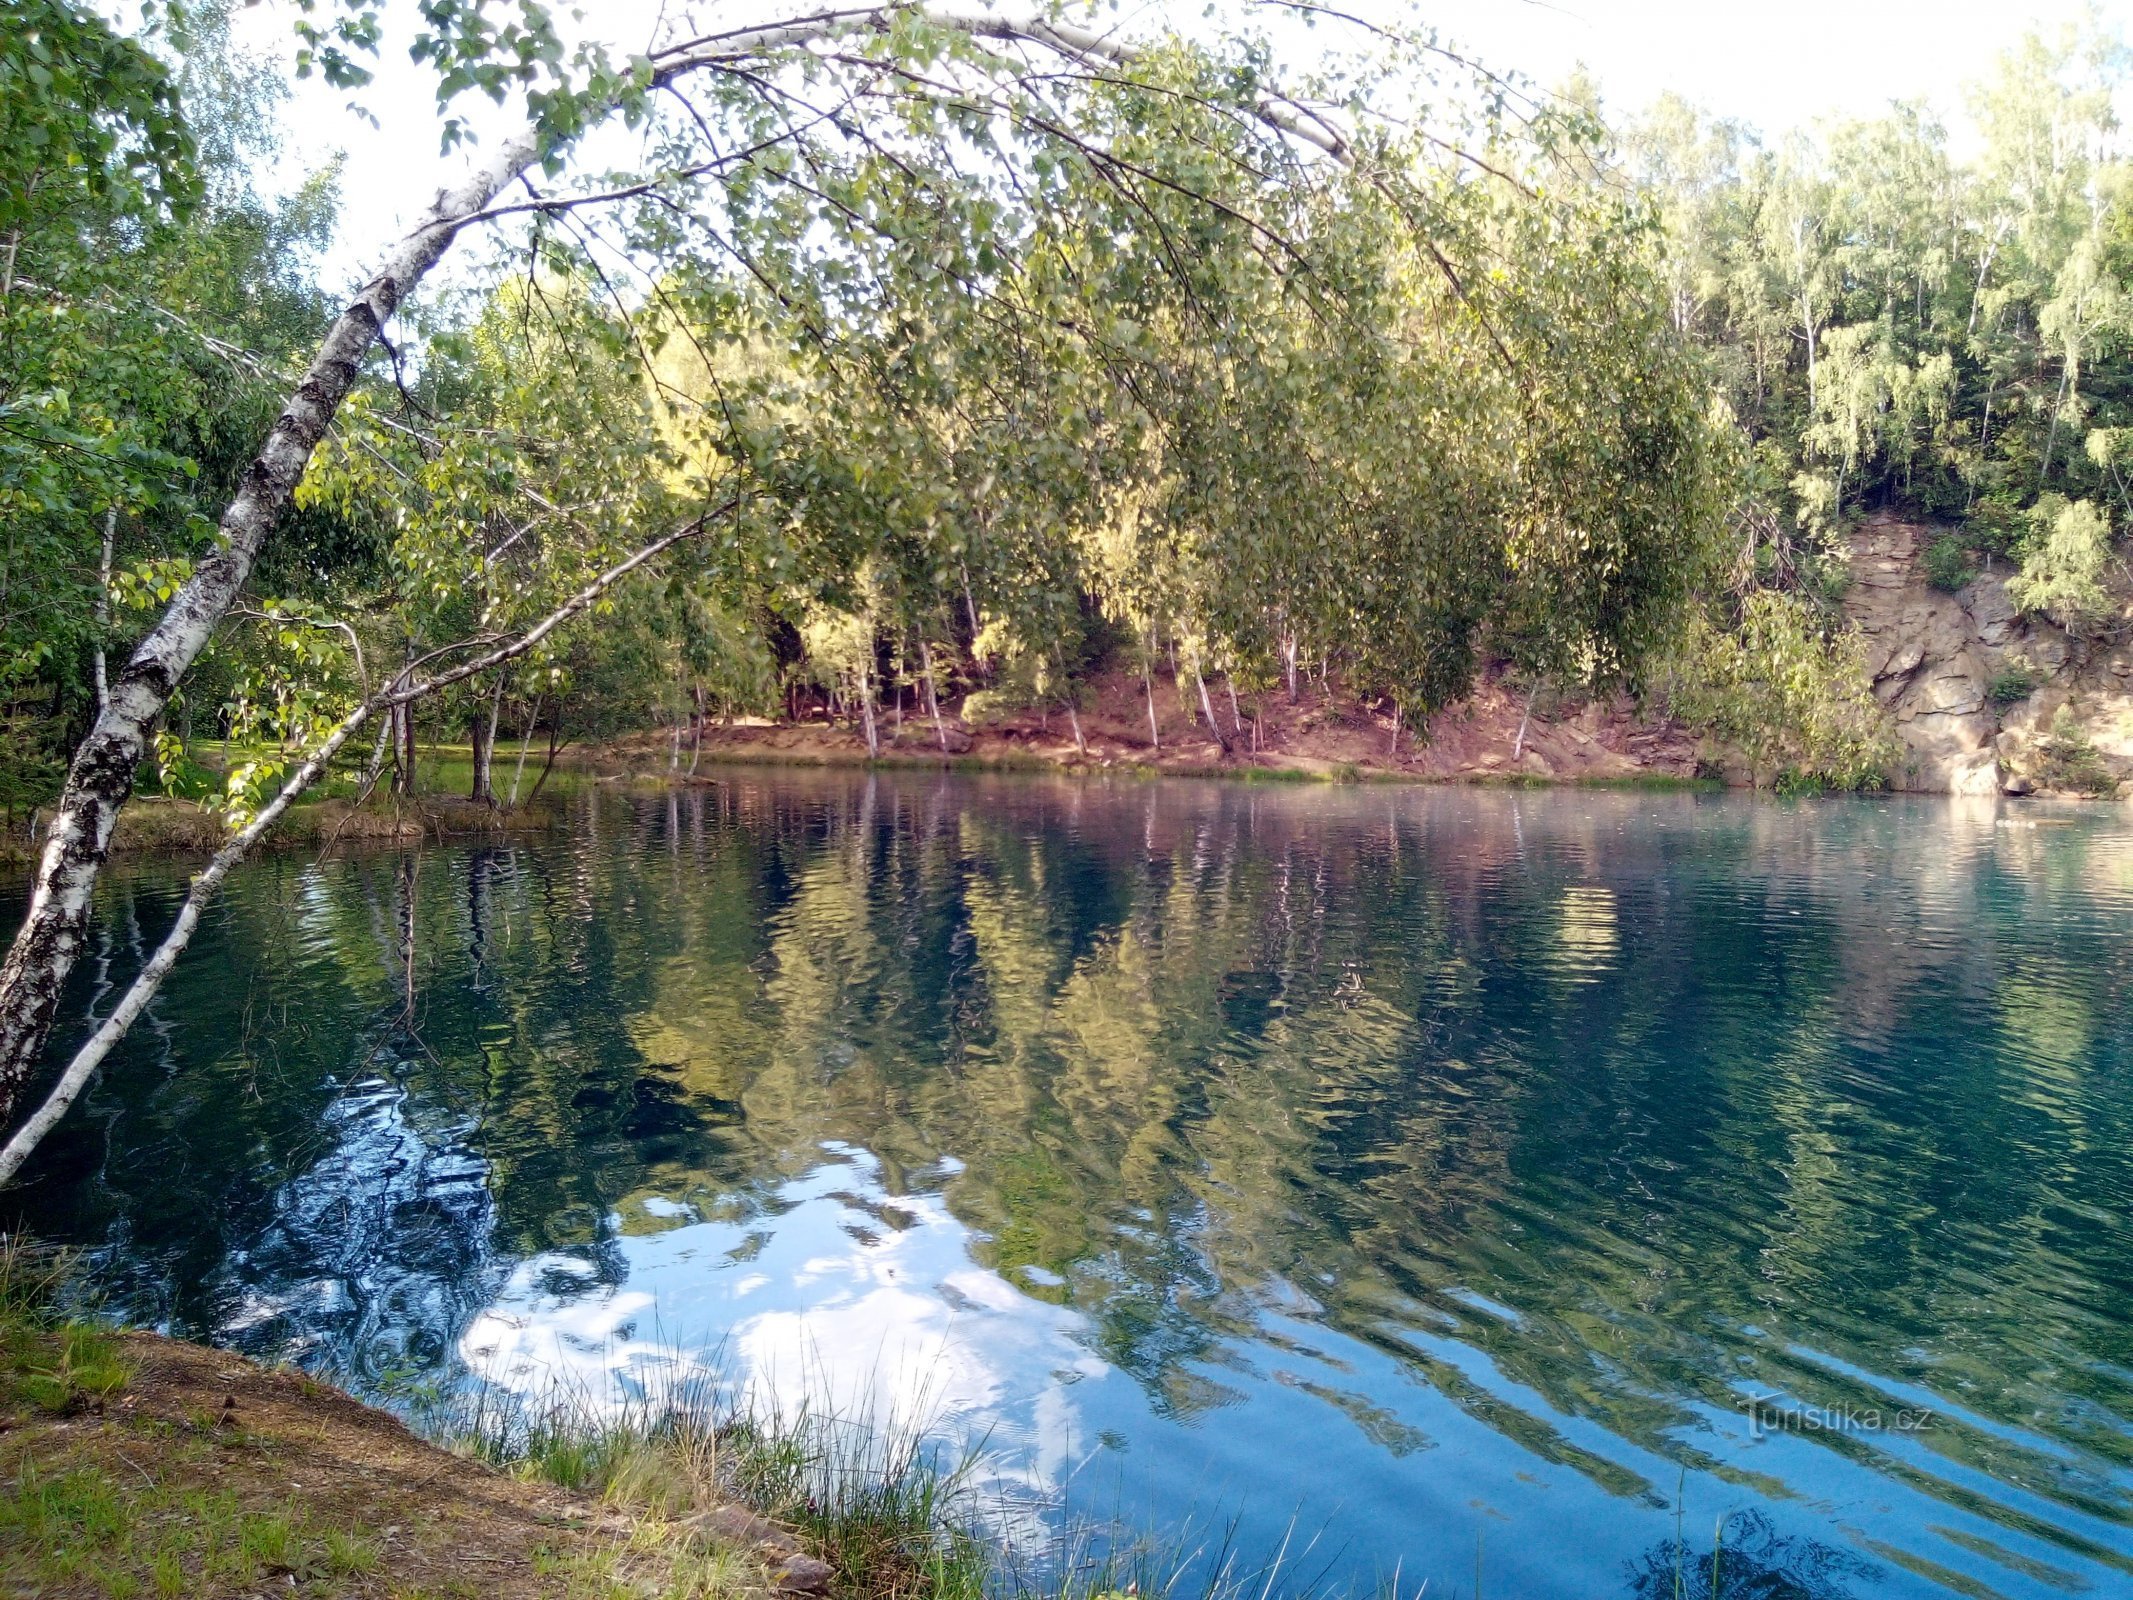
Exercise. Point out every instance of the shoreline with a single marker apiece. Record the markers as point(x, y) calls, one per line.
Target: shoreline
point(1603, 745)
point(133, 1463)
point(157, 825)
point(617, 764)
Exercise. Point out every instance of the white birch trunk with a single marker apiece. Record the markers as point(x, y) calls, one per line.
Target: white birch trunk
point(103, 606)
point(1155, 736)
point(866, 714)
point(91, 1055)
point(1207, 710)
point(933, 692)
point(525, 743)
point(101, 776)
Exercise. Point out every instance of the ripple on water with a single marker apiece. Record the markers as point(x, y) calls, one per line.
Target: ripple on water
point(1399, 1169)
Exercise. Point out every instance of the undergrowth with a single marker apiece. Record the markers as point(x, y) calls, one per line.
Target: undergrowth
point(898, 1515)
point(48, 1362)
point(2067, 760)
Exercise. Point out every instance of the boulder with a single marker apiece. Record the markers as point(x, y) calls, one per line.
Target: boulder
point(1975, 773)
point(1903, 658)
point(1992, 614)
point(802, 1575)
point(736, 1525)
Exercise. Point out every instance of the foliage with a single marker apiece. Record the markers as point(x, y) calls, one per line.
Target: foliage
point(1948, 564)
point(1789, 691)
point(966, 434)
point(1894, 325)
point(86, 116)
point(2067, 760)
point(2063, 563)
point(989, 388)
point(2012, 684)
point(147, 291)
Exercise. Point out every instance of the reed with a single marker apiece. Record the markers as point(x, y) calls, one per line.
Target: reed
point(900, 1513)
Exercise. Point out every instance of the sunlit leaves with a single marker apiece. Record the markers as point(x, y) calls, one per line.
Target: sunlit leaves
point(1788, 692)
point(85, 112)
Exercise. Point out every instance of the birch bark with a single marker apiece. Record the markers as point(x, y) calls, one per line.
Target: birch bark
point(101, 776)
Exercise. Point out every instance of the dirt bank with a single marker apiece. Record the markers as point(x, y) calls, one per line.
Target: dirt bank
point(1493, 735)
point(135, 1465)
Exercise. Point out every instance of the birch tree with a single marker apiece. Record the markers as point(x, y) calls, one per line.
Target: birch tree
point(763, 142)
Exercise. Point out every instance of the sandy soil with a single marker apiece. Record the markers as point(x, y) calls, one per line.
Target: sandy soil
point(1323, 735)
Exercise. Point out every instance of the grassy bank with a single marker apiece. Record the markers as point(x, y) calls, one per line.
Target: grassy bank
point(155, 825)
point(136, 1466)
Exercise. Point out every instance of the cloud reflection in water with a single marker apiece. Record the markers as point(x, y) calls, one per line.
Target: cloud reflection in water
point(896, 1328)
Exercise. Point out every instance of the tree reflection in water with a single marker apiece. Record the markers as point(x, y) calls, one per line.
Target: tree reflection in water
point(1430, 1154)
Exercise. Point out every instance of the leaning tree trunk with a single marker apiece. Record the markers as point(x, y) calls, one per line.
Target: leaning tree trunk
point(78, 1072)
point(101, 777)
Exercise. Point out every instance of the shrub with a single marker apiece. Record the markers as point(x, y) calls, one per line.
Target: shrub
point(2066, 759)
point(2012, 684)
point(1948, 565)
point(1793, 695)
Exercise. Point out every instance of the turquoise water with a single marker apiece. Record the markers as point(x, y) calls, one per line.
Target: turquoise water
point(1390, 1171)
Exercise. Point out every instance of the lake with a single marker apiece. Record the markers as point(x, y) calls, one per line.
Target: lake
point(1415, 1175)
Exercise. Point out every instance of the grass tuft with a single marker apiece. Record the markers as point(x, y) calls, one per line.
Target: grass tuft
point(698, 1487)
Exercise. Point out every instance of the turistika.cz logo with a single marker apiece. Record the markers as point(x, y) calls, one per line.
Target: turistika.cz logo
point(1769, 1413)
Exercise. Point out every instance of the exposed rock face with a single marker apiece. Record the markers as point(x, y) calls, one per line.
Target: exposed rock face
point(1935, 658)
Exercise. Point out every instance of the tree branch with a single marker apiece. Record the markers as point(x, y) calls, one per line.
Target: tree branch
point(402, 692)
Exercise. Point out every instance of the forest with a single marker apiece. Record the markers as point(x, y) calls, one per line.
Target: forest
point(928, 359)
point(1196, 1183)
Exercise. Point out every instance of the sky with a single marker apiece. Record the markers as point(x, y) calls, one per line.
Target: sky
point(1776, 64)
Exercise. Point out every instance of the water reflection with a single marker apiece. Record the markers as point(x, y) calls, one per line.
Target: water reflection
point(1422, 1167)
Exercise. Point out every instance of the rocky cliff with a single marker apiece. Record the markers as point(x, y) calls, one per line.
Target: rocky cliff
point(1974, 686)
